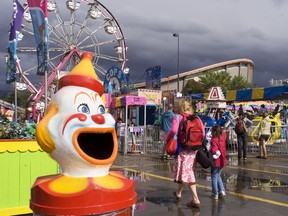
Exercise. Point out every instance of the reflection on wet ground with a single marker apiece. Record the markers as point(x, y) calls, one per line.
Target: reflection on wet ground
point(238, 181)
point(154, 185)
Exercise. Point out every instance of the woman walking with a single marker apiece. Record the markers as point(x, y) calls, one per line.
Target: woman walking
point(264, 134)
point(185, 163)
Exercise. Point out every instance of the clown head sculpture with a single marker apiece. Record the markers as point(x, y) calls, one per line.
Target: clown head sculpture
point(81, 137)
point(75, 130)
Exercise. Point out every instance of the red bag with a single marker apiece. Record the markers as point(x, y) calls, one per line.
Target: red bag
point(172, 146)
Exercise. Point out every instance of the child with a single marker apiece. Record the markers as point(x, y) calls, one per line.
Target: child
point(218, 151)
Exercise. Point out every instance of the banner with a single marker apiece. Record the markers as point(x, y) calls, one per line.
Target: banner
point(153, 97)
point(17, 18)
point(39, 15)
point(115, 81)
point(153, 77)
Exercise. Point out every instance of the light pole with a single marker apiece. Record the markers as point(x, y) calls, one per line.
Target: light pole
point(178, 37)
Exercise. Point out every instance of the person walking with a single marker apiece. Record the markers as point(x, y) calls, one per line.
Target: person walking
point(218, 151)
point(240, 110)
point(284, 114)
point(166, 124)
point(120, 131)
point(264, 134)
point(241, 129)
point(185, 162)
point(262, 108)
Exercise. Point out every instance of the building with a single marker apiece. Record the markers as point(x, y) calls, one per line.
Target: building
point(243, 67)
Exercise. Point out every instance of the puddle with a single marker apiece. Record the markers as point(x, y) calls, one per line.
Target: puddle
point(167, 203)
point(240, 181)
point(134, 175)
point(269, 185)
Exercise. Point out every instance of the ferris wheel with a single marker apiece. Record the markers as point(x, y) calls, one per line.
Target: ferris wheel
point(74, 26)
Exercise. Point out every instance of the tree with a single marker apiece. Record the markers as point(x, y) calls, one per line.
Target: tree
point(22, 97)
point(238, 82)
point(192, 87)
point(211, 78)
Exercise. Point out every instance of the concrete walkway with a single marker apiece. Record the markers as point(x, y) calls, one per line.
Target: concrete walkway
point(254, 187)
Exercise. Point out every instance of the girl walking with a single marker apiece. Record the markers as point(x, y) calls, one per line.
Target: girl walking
point(218, 150)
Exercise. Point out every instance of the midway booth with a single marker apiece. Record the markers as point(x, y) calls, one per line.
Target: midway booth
point(131, 135)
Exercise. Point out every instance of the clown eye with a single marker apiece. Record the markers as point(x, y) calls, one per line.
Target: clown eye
point(83, 108)
point(101, 109)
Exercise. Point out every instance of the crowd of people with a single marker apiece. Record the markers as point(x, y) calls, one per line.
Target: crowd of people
point(263, 133)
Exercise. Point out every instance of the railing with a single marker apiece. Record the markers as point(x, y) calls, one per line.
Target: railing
point(278, 143)
point(10, 106)
point(147, 140)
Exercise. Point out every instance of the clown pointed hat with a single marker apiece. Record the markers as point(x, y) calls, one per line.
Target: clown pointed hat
point(83, 75)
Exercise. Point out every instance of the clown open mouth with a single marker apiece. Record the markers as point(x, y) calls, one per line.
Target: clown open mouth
point(94, 144)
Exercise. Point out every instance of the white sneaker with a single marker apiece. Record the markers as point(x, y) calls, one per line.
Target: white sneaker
point(222, 194)
point(214, 197)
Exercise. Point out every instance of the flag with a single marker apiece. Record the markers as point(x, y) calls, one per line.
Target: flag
point(16, 22)
point(39, 15)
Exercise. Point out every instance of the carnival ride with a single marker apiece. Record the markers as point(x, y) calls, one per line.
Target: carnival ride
point(276, 129)
point(218, 112)
point(74, 27)
point(228, 119)
point(209, 118)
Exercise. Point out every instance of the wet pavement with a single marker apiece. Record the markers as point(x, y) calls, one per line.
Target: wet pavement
point(253, 187)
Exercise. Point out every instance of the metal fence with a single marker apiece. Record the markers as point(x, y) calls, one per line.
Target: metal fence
point(278, 143)
point(147, 140)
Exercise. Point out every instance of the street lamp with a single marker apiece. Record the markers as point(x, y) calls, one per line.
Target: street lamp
point(178, 36)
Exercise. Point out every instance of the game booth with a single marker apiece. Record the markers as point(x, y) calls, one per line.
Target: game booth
point(153, 104)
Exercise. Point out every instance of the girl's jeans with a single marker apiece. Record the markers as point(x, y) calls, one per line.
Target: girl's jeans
point(217, 184)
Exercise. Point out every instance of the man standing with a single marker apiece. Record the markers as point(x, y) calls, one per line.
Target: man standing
point(166, 124)
point(241, 129)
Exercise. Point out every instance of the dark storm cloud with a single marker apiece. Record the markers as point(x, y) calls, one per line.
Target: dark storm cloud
point(210, 32)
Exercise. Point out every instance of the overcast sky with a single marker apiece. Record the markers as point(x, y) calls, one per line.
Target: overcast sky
point(211, 31)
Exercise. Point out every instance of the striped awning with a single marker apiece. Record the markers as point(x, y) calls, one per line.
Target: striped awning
point(269, 93)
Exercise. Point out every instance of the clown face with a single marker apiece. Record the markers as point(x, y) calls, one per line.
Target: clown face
point(78, 133)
